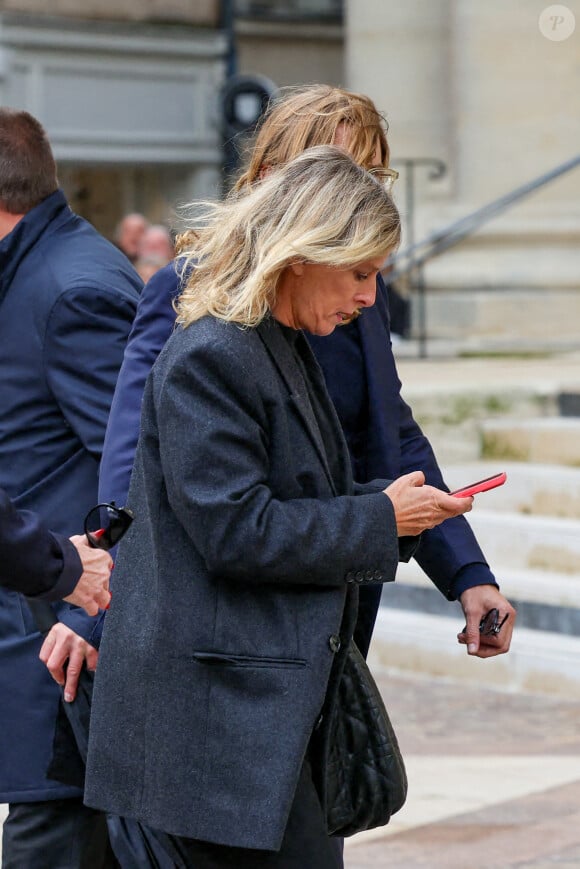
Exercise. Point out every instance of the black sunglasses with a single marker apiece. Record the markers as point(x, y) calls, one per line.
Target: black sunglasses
point(490, 625)
point(105, 524)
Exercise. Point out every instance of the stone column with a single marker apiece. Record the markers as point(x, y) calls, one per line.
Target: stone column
point(481, 86)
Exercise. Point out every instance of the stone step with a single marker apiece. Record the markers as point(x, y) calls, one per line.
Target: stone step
point(538, 542)
point(452, 398)
point(452, 416)
point(549, 587)
point(546, 440)
point(509, 317)
point(545, 600)
point(421, 643)
point(530, 489)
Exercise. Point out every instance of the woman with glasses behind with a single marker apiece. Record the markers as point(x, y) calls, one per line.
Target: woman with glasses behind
point(360, 369)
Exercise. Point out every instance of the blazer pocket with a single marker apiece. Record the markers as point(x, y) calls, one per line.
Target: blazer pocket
point(228, 660)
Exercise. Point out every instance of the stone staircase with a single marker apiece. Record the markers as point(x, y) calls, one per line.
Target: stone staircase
point(502, 318)
point(529, 530)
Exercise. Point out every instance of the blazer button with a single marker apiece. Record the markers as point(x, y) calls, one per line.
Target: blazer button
point(350, 576)
point(359, 576)
point(334, 643)
point(369, 574)
point(378, 575)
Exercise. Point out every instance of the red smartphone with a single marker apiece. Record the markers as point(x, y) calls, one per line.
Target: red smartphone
point(480, 486)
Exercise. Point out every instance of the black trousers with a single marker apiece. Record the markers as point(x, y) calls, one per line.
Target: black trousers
point(306, 844)
point(55, 834)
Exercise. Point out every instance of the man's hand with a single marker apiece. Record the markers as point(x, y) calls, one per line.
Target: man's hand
point(62, 646)
point(92, 590)
point(476, 603)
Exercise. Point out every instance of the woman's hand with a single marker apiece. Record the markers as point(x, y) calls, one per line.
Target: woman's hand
point(418, 507)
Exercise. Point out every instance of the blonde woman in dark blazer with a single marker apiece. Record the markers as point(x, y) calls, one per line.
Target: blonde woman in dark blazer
point(236, 589)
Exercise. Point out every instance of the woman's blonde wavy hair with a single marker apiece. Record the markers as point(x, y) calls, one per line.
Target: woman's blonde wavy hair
point(320, 207)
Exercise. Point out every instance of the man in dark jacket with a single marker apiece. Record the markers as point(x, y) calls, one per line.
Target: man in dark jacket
point(68, 299)
point(48, 566)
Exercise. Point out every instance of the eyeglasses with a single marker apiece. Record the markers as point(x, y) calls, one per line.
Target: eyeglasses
point(490, 625)
point(386, 177)
point(105, 524)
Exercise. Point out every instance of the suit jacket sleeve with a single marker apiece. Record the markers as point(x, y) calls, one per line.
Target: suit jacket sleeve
point(449, 554)
point(216, 447)
point(395, 444)
point(34, 561)
point(82, 364)
point(82, 367)
point(152, 327)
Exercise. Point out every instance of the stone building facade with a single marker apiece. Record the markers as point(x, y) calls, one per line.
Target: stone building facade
point(291, 41)
point(129, 90)
point(128, 94)
point(493, 90)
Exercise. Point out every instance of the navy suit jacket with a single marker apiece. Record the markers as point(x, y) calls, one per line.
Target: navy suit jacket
point(361, 376)
point(33, 560)
point(383, 438)
point(67, 301)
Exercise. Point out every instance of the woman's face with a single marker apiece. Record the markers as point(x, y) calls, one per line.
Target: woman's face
point(318, 298)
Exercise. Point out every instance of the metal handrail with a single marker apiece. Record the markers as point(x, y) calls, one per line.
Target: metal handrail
point(412, 259)
point(442, 239)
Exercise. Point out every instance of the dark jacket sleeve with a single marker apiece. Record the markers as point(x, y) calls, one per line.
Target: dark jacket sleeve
point(153, 324)
point(449, 554)
point(82, 374)
point(152, 327)
point(34, 561)
point(386, 441)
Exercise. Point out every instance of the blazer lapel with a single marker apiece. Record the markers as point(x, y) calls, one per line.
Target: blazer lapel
point(287, 366)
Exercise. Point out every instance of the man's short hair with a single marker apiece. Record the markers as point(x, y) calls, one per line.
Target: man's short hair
point(27, 165)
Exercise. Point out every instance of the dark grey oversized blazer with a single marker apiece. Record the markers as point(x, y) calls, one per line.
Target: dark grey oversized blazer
point(229, 591)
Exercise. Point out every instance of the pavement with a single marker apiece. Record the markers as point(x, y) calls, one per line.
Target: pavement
point(494, 779)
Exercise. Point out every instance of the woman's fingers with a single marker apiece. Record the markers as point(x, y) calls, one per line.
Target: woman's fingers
point(419, 507)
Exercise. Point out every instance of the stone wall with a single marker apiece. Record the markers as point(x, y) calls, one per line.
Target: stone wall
point(197, 12)
point(482, 87)
point(291, 53)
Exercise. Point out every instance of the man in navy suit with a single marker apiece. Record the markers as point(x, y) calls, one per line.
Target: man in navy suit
point(358, 363)
point(67, 300)
point(47, 566)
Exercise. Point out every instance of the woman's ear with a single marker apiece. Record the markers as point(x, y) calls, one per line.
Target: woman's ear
point(297, 268)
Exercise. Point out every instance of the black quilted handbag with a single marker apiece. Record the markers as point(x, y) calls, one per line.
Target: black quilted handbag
point(365, 778)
